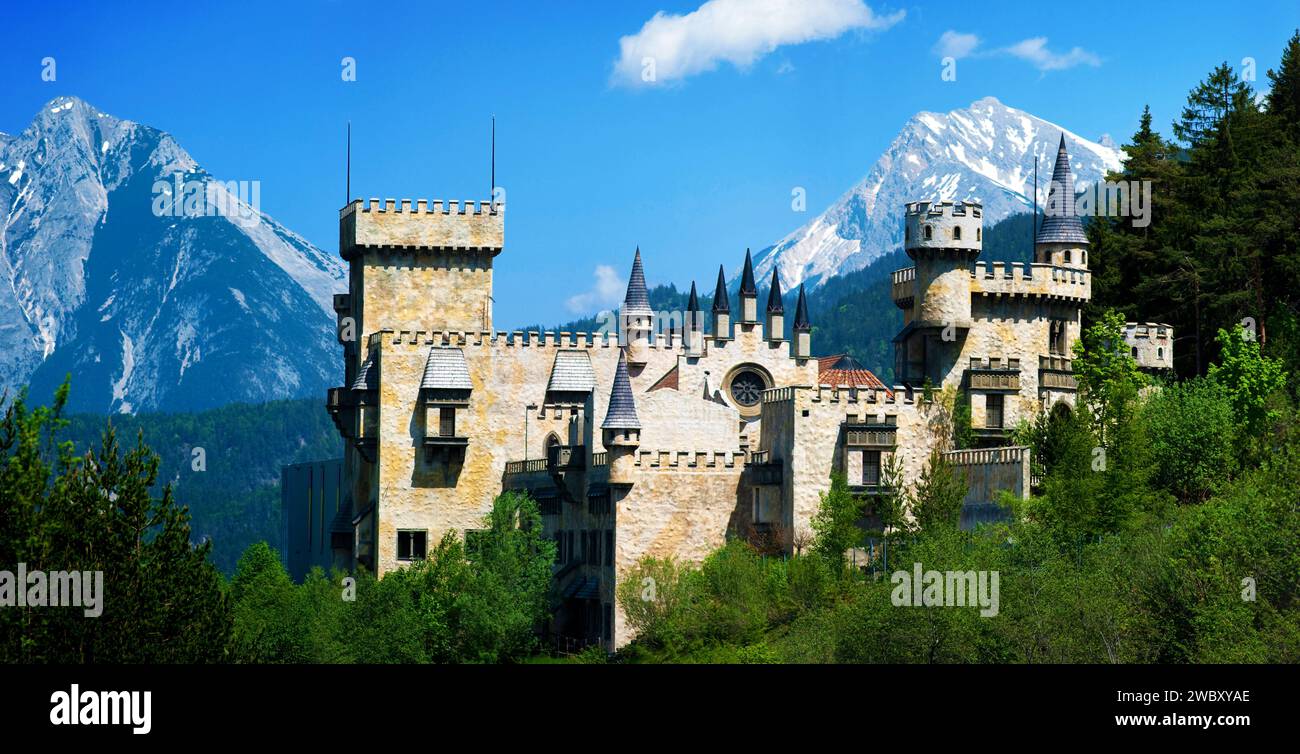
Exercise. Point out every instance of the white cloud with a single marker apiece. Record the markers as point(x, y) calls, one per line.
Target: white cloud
point(671, 47)
point(956, 45)
point(606, 292)
point(1035, 51)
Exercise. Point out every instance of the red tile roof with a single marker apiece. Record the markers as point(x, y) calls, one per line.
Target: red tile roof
point(842, 369)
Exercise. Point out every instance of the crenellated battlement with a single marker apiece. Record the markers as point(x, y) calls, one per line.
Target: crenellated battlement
point(423, 206)
point(943, 225)
point(836, 394)
point(1041, 280)
point(690, 459)
point(1147, 330)
point(436, 226)
point(496, 338)
point(937, 209)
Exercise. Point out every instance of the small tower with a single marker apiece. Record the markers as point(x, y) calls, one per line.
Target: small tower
point(802, 328)
point(721, 309)
point(775, 310)
point(748, 293)
point(621, 430)
point(1060, 240)
point(694, 325)
point(943, 239)
point(636, 314)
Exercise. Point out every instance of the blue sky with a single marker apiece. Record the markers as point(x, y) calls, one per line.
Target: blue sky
point(694, 168)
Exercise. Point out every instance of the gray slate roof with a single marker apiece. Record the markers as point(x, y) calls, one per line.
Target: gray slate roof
point(621, 413)
point(1063, 226)
point(774, 303)
point(721, 303)
point(446, 370)
point(637, 301)
point(801, 321)
point(747, 286)
point(368, 375)
point(572, 373)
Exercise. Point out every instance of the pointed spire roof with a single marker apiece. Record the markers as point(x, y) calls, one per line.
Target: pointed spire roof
point(693, 304)
point(1060, 223)
point(621, 413)
point(747, 286)
point(637, 301)
point(774, 305)
point(721, 302)
point(801, 322)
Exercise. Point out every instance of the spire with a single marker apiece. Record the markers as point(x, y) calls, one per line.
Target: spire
point(637, 300)
point(747, 286)
point(693, 305)
point(721, 303)
point(1060, 223)
point(801, 322)
point(774, 305)
point(622, 407)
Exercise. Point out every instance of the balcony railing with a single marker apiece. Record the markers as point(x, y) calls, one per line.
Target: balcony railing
point(526, 467)
point(903, 288)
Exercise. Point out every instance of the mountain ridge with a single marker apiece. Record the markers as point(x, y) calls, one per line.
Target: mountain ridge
point(151, 311)
point(984, 152)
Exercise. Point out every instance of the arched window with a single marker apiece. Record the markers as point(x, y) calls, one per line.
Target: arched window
point(1135, 352)
point(1067, 256)
point(956, 233)
point(929, 233)
point(1160, 353)
point(1083, 257)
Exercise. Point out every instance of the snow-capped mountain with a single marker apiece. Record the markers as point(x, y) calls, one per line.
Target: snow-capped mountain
point(150, 303)
point(983, 152)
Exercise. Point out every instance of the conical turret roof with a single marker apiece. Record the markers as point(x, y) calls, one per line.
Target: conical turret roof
point(774, 305)
point(747, 285)
point(801, 322)
point(637, 301)
point(721, 302)
point(622, 406)
point(1060, 223)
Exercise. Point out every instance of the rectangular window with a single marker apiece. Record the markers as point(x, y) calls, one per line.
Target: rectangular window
point(758, 505)
point(412, 544)
point(609, 547)
point(871, 467)
point(609, 622)
point(447, 422)
point(993, 412)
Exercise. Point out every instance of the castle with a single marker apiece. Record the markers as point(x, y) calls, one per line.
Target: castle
point(666, 441)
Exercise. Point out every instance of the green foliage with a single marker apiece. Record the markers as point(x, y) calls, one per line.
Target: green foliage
point(936, 500)
point(1250, 380)
point(453, 606)
point(1193, 432)
point(835, 524)
point(1108, 376)
point(162, 601)
point(234, 498)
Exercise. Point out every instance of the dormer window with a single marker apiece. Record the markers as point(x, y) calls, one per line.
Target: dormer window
point(444, 391)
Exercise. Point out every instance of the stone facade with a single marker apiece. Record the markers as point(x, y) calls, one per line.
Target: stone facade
point(651, 443)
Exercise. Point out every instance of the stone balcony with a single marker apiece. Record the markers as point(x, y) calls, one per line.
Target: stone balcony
point(903, 289)
point(1056, 373)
